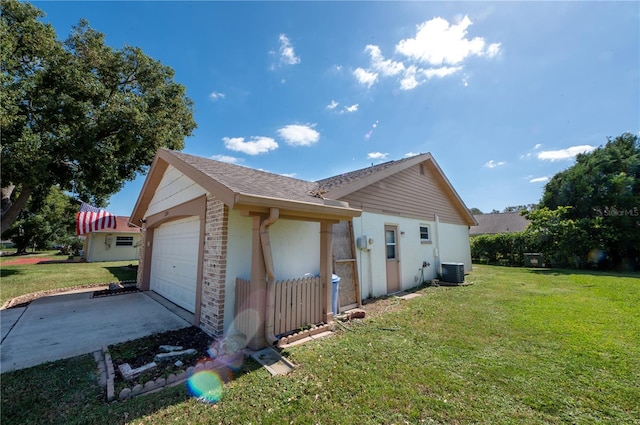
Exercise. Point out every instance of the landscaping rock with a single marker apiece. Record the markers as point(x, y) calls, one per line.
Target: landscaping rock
point(129, 374)
point(178, 363)
point(150, 385)
point(169, 348)
point(124, 394)
point(136, 390)
point(173, 354)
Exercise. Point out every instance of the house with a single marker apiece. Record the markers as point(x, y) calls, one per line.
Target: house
point(254, 252)
point(119, 244)
point(490, 224)
point(412, 221)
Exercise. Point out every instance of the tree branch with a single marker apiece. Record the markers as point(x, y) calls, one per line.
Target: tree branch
point(11, 214)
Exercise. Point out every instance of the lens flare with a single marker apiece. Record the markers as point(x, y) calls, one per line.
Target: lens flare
point(597, 255)
point(206, 386)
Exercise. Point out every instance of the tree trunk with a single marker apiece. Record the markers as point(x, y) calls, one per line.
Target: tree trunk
point(11, 210)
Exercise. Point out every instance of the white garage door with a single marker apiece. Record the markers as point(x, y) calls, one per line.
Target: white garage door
point(174, 261)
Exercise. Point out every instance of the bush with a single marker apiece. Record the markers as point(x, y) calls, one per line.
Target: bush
point(503, 248)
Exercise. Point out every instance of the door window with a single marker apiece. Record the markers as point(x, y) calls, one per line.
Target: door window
point(390, 240)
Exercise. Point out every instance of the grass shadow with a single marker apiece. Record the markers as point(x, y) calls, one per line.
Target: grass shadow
point(566, 272)
point(123, 273)
point(4, 272)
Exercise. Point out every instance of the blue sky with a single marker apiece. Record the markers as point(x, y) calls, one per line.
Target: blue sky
point(503, 94)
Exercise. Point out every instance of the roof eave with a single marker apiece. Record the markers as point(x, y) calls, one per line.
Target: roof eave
point(330, 210)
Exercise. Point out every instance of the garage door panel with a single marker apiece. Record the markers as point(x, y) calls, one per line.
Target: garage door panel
point(174, 261)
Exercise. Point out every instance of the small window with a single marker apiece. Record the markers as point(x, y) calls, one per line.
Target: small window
point(425, 233)
point(124, 240)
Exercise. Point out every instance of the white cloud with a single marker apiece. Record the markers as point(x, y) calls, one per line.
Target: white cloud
point(292, 175)
point(299, 135)
point(351, 108)
point(377, 155)
point(539, 180)
point(378, 63)
point(287, 53)
point(227, 158)
point(538, 146)
point(255, 146)
point(564, 154)
point(494, 164)
point(440, 72)
point(410, 154)
point(216, 96)
point(437, 43)
point(365, 77)
point(409, 81)
point(332, 105)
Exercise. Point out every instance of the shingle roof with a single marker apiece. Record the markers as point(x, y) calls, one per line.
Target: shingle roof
point(347, 178)
point(250, 181)
point(499, 223)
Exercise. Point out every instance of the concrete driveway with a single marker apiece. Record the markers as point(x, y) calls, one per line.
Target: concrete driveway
point(70, 324)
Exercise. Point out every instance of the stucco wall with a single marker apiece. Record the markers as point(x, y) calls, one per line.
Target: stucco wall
point(238, 261)
point(453, 240)
point(454, 245)
point(99, 250)
point(296, 248)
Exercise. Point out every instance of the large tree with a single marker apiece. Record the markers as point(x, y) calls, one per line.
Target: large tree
point(602, 191)
point(39, 226)
point(79, 114)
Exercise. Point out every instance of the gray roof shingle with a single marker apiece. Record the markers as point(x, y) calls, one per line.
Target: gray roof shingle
point(250, 181)
point(347, 178)
point(499, 223)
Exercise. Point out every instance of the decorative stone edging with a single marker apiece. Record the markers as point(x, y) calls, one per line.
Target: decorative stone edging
point(304, 334)
point(21, 299)
point(105, 364)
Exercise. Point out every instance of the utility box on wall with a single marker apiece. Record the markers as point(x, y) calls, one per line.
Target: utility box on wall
point(363, 243)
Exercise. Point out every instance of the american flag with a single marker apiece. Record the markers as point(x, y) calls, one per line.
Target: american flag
point(92, 219)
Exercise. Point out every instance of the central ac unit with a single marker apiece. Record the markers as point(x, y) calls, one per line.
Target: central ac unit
point(453, 272)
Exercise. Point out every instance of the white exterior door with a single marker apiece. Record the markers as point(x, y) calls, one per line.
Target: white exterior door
point(174, 261)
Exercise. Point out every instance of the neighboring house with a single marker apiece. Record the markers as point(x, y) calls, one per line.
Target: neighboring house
point(254, 252)
point(119, 244)
point(491, 224)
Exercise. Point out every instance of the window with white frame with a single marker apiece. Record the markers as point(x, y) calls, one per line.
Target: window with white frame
point(124, 240)
point(425, 233)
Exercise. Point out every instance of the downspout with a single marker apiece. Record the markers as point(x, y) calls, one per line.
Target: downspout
point(265, 241)
point(437, 250)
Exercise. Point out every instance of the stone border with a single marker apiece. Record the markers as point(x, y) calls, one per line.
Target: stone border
point(107, 376)
point(27, 298)
point(287, 340)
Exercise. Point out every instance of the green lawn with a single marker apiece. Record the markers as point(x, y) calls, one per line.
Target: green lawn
point(517, 346)
point(16, 280)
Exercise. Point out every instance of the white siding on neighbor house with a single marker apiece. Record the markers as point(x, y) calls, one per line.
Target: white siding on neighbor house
point(412, 252)
point(454, 245)
point(99, 248)
point(174, 189)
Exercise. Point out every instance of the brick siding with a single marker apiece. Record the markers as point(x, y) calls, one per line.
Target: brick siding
point(214, 267)
point(143, 244)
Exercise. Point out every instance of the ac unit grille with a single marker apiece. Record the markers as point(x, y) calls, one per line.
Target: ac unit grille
point(453, 272)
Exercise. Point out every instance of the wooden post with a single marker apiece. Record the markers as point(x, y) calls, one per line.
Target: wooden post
point(258, 295)
point(326, 269)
